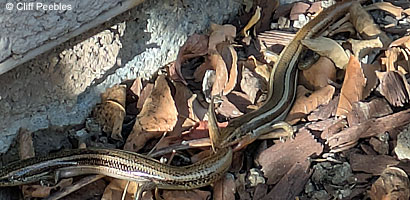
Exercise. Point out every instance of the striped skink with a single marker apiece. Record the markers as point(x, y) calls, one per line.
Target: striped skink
point(135, 167)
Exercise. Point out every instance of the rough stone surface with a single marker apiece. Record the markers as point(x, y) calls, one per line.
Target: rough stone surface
point(25, 25)
point(402, 148)
point(61, 86)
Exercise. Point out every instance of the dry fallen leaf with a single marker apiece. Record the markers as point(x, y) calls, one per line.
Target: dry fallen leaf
point(392, 184)
point(304, 105)
point(298, 8)
point(369, 71)
point(359, 45)
point(196, 45)
point(221, 73)
point(225, 188)
point(26, 147)
point(261, 68)
point(230, 58)
point(40, 191)
point(319, 74)
point(251, 84)
point(228, 109)
point(269, 8)
point(254, 19)
point(145, 93)
point(329, 48)
point(386, 6)
point(379, 163)
point(220, 33)
point(111, 112)
point(352, 88)
point(115, 190)
point(365, 25)
point(184, 99)
point(136, 87)
point(158, 115)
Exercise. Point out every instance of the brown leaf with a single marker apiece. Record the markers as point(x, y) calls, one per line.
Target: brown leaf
point(250, 84)
point(186, 195)
point(196, 45)
point(316, 7)
point(319, 74)
point(111, 112)
point(386, 6)
point(254, 19)
point(221, 77)
point(230, 58)
point(352, 88)
point(240, 100)
point(359, 46)
point(394, 87)
point(224, 189)
point(261, 68)
point(146, 92)
point(227, 109)
point(304, 105)
point(115, 190)
point(200, 71)
point(136, 87)
point(279, 158)
point(324, 111)
point(184, 99)
point(40, 191)
point(364, 24)
point(220, 33)
point(158, 115)
point(26, 148)
point(392, 184)
point(298, 8)
point(269, 8)
point(328, 48)
point(369, 71)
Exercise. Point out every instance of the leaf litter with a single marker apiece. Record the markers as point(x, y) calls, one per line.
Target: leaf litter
point(356, 105)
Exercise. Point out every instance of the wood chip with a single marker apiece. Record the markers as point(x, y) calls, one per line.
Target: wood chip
point(361, 163)
point(279, 158)
point(292, 183)
point(394, 87)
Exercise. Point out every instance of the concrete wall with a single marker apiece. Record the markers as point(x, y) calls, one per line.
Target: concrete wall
point(61, 86)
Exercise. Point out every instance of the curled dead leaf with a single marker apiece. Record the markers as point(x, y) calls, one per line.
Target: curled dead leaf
point(195, 45)
point(365, 25)
point(386, 6)
point(304, 105)
point(220, 33)
point(319, 74)
point(230, 58)
point(359, 45)
point(221, 73)
point(254, 19)
point(158, 115)
point(352, 88)
point(329, 48)
point(111, 112)
point(392, 184)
